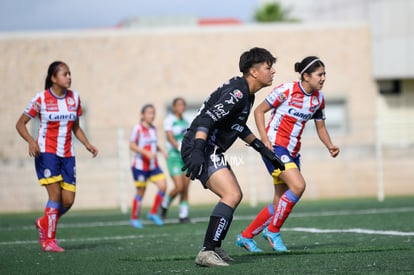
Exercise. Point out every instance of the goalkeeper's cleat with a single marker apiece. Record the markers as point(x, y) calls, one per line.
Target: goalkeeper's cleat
point(51, 246)
point(209, 258)
point(163, 212)
point(136, 224)
point(155, 218)
point(184, 220)
point(247, 243)
point(42, 232)
point(223, 255)
point(275, 240)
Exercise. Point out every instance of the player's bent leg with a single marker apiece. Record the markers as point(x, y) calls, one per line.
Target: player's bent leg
point(275, 240)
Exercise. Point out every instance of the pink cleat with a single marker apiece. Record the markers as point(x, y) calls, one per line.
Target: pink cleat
point(42, 233)
point(51, 246)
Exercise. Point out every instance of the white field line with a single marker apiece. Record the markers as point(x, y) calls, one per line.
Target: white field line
point(205, 219)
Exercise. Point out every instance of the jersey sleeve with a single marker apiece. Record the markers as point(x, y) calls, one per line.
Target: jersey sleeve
point(33, 108)
point(320, 113)
point(135, 134)
point(277, 96)
point(79, 113)
point(246, 131)
point(232, 100)
point(168, 123)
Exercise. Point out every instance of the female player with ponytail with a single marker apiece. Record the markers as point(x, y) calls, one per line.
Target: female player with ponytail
point(292, 104)
point(59, 109)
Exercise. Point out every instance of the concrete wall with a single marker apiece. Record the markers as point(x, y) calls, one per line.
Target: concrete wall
point(116, 72)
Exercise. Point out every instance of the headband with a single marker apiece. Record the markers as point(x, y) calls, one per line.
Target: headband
point(310, 64)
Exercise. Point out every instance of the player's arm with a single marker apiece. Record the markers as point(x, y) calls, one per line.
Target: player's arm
point(259, 117)
point(325, 138)
point(264, 151)
point(80, 135)
point(21, 128)
point(171, 139)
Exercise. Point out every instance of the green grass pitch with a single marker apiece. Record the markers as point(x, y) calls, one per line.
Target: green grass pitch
point(358, 236)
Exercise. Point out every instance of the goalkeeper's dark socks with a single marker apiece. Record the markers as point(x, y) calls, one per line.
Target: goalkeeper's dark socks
point(218, 226)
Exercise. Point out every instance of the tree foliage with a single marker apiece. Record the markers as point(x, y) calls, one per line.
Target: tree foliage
point(272, 12)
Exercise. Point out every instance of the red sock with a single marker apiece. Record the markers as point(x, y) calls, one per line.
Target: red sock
point(50, 219)
point(258, 224)
point(281, 213)
point(136, 208)
point(157, 202)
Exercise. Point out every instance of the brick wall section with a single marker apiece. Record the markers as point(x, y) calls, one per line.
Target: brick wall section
point(117, 71)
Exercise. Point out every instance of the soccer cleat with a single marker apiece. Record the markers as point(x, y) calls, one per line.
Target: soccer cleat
point(42, 232)
point(223, 255)
point(51, 246)
point(155, 218)
point(275, 240)
point(136, 223)
point(247, 243)
point(163, 212)
point(209, 258)
point(184, 220)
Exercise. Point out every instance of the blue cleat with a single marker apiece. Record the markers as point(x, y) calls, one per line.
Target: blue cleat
point(136, 223)
point(275, 240)
point(155, 218)
point(247, 243)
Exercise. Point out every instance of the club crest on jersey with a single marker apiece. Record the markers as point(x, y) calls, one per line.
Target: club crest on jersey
point(238, 94)
point(285, 158)
point(314, 103)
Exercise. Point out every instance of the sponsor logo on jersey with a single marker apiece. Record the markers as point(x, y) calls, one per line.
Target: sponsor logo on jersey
point(230, 101)
point(295, 113)
point(36, 107)
point(237, 127)
point(60, 117)
point(281, 97)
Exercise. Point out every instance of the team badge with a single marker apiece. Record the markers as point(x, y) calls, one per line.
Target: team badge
point(238, 94)
point(281, 97)
point(36, 106)
point(285, 158)
point(70, 101)
point(47, 173)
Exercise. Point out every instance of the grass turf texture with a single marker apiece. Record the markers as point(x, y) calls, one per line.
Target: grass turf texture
point(379, 240)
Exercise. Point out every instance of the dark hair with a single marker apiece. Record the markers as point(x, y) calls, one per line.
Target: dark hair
point(52, 71)
point(308, 65)
point(255, 56)
point(145, 107)
point(175, 100)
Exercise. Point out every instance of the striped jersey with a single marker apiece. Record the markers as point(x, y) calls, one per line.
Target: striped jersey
point(292, 108)
point(177, 127)
point(57, 116)
point(145, 138)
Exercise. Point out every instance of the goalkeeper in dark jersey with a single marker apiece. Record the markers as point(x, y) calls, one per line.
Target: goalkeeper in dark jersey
point(220, 121)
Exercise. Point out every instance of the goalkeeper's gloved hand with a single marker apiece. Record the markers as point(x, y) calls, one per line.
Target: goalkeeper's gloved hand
point(194, 165)
point(266, 153)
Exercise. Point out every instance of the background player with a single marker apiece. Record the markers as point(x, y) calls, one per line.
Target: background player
point(220, 121)
point(174, 126)
point(59, 110)
point(144, 144)
point(292, 105)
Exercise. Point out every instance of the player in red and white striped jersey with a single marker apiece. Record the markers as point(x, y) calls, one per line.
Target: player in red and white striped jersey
point(144, 144)
point(58, 109)
point(292, 105)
